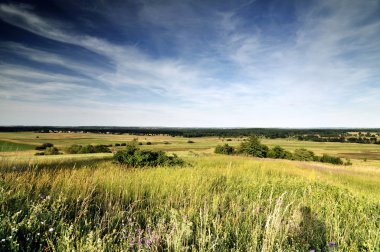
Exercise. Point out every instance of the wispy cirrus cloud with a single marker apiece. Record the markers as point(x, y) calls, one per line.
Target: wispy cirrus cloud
point(224, 69)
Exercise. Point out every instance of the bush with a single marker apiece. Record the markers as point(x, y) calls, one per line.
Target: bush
point(190, 141)
point(79, 149)
point(253, 147)
point(330, 159)
point(44, 146)
point(304, 155)
point(348, 162)
point(148, 143)
point(123, 144)
point(117, 144)
point(134, 157)
point(49, 151)
point(279, 152)
point(224, 149)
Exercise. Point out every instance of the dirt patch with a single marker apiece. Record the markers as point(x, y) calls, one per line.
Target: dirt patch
point(322, 168)
point(367, 155)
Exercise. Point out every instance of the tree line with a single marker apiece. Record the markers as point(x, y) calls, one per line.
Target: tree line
point(253, 147)
point(318, 135)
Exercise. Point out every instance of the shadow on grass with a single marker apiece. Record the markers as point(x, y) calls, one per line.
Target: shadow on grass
point(309, 232)
point(7, 166)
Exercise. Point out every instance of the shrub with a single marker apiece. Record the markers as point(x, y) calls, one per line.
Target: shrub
point(279, 152)
point(134, 157)
point(304, 155)
point(148, 143)
point(74, 149)
point(348, 162)
point(117, 144)
point(79, 149)
point(44, 146)
point(101, 149)
point(330, 159)
point(224, 149)
point(190, 141)
point(123, 144)
point(51, 151)
point(253, 147)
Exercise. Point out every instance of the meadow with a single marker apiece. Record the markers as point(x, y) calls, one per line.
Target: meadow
point(86, 202)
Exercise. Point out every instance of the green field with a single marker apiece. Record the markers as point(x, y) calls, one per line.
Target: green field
point(6, 146)
point(86, 202)
point(179, 144)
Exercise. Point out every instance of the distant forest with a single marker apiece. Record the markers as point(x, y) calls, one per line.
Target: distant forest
point(354, 135)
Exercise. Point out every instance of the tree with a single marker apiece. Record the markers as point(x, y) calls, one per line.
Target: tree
point(51, 151)
point(304, 155)
point(253, 147)
point(44, 146)
point(330, 159)
point(134, 157)
point(224, 149)
point(279, 152)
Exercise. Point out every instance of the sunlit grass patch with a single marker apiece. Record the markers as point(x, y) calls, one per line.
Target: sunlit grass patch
point(218, 203)
point(6, 146)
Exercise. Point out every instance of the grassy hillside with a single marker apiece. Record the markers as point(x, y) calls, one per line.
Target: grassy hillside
point(216, 203)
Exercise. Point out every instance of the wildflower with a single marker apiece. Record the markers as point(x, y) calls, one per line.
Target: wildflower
point(42, 223)
point(312, 250)
point(132, 242)
point(2, 240)
point(149, 242)
point(51, 230)
point(48, 197)
point(332, 243)
point(10, 237)
point(38, 234)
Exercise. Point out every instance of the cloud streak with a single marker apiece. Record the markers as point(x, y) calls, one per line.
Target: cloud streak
point(225, 69)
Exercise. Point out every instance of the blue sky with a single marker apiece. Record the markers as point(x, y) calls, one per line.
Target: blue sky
point(190, 63)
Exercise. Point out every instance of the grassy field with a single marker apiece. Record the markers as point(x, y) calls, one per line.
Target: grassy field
point(6, 146)
point(215, 203)
point(180, 144)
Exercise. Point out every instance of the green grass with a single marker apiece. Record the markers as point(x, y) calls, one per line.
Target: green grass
point(6, 146)
point(217, 203)
point(179, 144)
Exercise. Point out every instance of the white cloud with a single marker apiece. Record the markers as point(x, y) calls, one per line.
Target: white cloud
point(239, 77)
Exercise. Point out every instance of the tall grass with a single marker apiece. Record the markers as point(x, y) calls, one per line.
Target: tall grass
point(216, 204)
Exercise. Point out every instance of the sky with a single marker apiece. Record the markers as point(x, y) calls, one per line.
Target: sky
point(206, 63)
